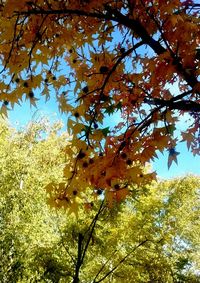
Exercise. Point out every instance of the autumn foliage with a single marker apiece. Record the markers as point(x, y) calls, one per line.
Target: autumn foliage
point(136, 58)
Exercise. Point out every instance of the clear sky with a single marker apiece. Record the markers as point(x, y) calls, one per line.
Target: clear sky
point(187, 163)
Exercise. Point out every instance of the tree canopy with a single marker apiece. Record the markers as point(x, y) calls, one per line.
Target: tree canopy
point(152, 237)
point(136, 58)
point(28, 162)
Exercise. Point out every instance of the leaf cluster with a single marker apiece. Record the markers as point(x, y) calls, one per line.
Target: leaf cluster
point(135, 59)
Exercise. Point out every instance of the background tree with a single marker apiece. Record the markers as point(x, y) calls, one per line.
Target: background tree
point(28, 162)
point(136, 57)
point(152, 237)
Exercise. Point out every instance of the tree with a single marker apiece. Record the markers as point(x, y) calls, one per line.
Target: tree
point(28, 162)
point(136, 57)
point(152, 237)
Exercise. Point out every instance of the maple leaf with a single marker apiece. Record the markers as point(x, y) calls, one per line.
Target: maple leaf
point(188, 137)
point(105, 131)
point(110, 197)
point(73, 208)
point(4, 111)
point(172, 156)
point(121, 194)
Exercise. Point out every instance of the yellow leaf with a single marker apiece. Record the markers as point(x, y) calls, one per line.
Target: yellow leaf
point(4, 111)
point(73, 208)
point(121, 194)
point(50, 187)
point(109, 196)
point(70, 124)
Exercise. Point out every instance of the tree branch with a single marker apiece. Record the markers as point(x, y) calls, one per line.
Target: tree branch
point(140, 30)
point(79, 258)
point(120, 262)
point(83, 249)
point(91, 229)
point(185, 105)
point(102, 267)
point(133, 24)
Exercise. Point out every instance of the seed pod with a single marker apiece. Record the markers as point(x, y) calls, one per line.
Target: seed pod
point(76, 114)
point(31, 94)
point(129, 162)
point(81, 155)
point(85, 89)
point(103, 69)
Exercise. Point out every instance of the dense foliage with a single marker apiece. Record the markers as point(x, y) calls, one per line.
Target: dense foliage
point(135, 58)
point(26, 225)
point(152, 237)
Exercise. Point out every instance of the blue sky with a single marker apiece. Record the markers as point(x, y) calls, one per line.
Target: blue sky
point(187, 164)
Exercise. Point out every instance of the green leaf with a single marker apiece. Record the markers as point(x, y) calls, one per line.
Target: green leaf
point(119, 106)
point(106, 131)
point(110, 109)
